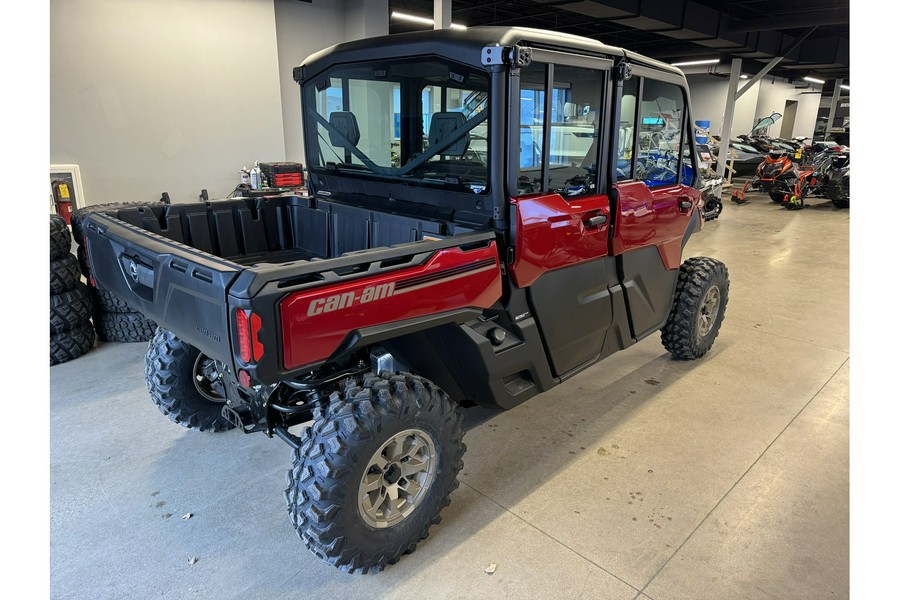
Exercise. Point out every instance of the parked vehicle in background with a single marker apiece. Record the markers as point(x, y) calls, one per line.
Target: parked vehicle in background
point(776, 176)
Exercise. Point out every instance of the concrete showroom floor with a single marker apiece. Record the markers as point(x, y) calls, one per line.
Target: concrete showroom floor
point(642, 477)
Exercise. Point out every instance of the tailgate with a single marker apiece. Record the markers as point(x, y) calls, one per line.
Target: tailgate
point(181, 288)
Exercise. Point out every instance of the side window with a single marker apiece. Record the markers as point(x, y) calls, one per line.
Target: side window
point(574, 123)
point(532, 83)
point(660, 130)
point(627, 119)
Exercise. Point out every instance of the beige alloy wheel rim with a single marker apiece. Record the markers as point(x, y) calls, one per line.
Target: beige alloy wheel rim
point(397, 478)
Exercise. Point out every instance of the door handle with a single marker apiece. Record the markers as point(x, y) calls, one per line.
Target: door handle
point(685, 203)
point(597, 220)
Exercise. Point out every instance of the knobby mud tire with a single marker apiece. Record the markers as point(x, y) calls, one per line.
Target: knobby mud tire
point(124, 327)
point(64, 274)
point(70, 309)
point(335, 451)
point(60, 238)
point(687, 334)
point(69, 345)
point(171, 381)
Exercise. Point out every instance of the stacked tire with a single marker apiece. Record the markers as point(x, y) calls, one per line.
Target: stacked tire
point(71, 331)
point(114, 320)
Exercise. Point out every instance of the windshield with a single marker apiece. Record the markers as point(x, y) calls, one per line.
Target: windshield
point(423, 122)
point(766, 122)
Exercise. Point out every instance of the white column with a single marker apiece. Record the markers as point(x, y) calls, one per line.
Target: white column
point(442, 13)
point(834, 103)
point(729, 116)
point(367, 18)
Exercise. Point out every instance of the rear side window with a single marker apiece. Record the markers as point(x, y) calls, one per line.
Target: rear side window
point(559, 120)
point(660, 129)
point(532, 82)
point(573, 131)
point(627, 120)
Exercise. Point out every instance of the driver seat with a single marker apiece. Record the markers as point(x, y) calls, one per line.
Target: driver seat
point(443, 124)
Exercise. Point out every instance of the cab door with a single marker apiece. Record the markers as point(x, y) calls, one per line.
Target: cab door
point(656, 200)
point(560, 211)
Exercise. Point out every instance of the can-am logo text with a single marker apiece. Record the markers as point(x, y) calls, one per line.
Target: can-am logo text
point(348, 299)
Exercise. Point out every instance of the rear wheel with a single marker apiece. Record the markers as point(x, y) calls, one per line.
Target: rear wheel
point(701, 296)
point(186, 385)
point(374, 470)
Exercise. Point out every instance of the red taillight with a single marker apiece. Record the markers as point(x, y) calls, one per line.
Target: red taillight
point(255, 325)
point(248, 326)
point(243, 332)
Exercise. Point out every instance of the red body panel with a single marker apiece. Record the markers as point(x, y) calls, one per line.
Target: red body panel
point(552, 233)
point(653, 217)
point(451, 279)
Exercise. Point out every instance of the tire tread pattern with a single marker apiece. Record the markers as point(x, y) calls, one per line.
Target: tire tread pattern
point(317, 483)
point(69, 345)
point(64, 274)
point(679, 334)
point(71, 309)
point(123, 327)
point(164, 368)
point(60, 242)
point(107, 301)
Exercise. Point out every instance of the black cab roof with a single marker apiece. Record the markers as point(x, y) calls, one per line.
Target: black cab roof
point(465, 47)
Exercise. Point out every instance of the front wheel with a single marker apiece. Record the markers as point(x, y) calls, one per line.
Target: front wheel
point(374, 470)
point(185, 384)
point(699, 307)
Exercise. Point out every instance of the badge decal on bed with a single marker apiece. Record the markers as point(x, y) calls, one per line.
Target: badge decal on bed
point(349, 299)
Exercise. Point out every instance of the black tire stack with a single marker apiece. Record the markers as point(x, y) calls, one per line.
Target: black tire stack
point(71, 331)
point(114, 320)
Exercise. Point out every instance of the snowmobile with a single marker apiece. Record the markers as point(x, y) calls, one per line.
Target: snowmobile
point(776, 175)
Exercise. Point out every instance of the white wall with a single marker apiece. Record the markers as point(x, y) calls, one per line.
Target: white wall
point(302, 29)
point(163, 96)
point(772, 97)
point(708, 95)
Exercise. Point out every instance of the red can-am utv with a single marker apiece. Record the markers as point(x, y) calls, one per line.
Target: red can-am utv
point(473, 233)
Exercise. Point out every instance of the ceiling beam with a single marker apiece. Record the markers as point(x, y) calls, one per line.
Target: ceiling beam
point(806, 19)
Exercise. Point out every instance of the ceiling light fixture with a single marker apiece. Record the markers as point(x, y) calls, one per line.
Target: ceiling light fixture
point(745, 77)
point(813, 80)
point(845, 87)
point(690, 63)
point(400, 16)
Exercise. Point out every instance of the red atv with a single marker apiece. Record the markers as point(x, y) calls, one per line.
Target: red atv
point(776, 175)
point(826, 177)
